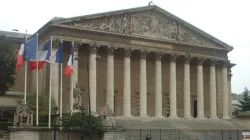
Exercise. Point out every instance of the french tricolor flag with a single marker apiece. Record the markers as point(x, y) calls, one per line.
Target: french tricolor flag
point(70, 68)
point(42, 57)
point(21, 55)
point(57, 57)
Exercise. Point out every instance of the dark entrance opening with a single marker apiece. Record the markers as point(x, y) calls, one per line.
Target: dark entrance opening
point(195, 108)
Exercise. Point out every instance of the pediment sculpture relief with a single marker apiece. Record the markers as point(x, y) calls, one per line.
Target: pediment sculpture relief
point(145, 24)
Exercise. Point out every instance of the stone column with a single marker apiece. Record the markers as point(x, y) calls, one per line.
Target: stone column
point(110, 78)
point(92, 77)
point(187, 106)
point(55, 79)
point(158, 86)
point(143, 84)
point(230, 91)
point(74, 75)
point(200, 90)
point(213, 101)
point(173, 106)
point(127, 84)
point(225, 114)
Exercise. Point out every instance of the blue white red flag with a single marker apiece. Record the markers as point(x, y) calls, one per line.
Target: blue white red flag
point(70, 68)
point(57, 57)
point(42, 57)
point(21, 55)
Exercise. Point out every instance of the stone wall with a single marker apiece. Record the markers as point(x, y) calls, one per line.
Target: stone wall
point(48, 135)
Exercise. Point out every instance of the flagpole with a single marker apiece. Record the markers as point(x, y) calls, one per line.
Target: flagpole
point(71, 86)
point(61, 72)
point(37, 121)
point(71, 94)
point(25, 74)
point(50, 84)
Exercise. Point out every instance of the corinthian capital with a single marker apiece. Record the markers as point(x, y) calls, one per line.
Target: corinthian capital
point(144, 54)
point(56, 43)
point(111, 50)
point(213, 62)
point(187, 58)
point(225, 63)
point(173, 57)
point(93, 49)
point(127, 52)
point(200, 60)
point(77, 45)
point(159, 56)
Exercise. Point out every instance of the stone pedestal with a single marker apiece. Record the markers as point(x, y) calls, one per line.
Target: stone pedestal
point(24, 132)
point(113, 136)
point(24, 135)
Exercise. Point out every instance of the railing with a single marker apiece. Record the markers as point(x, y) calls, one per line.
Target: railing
point(161, 134)
point(182, 134)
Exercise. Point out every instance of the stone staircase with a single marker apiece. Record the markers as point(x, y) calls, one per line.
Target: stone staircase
point(181, 129)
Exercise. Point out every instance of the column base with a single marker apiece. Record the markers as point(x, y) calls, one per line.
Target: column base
point(187, 117)
point(158, 116)
point(173, 117)
point(225, 117)
point(143, 115)
point(127, 115)
point(213, 117)
point(201, 117)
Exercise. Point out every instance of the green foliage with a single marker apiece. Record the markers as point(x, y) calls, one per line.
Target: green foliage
point(245, 102)
point(83, 123)
point(43, 106)
point(43, 103)
point(7, 65)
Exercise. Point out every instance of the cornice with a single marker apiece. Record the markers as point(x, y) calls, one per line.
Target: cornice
point(191, 51)
point(111, 34)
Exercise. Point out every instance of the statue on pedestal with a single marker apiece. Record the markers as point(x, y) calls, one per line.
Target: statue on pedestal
point(77, 95)
point(23, 115)
point(108, 116)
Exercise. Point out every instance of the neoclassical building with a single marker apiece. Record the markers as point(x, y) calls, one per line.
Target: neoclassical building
point(153, 64)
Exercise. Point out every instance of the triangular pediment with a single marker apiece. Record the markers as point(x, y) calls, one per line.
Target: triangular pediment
point(149, 23)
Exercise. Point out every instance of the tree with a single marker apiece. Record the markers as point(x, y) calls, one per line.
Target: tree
point(7, 65)
point(43, 105)
point(83, 123)
point(245, 102)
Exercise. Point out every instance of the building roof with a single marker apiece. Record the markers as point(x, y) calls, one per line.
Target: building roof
point(14, 36)
point(58, 21)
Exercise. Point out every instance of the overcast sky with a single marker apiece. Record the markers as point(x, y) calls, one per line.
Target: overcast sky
point(227, 20)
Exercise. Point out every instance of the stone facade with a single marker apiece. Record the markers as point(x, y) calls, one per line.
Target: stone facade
point(153, 64)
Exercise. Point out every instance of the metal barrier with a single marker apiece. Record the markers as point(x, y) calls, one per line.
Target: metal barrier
point(163, 134)
point(182, 134)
